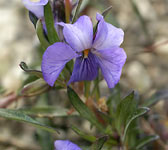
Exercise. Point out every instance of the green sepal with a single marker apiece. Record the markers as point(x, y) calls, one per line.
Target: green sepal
point(49, 21)
point(41, 36)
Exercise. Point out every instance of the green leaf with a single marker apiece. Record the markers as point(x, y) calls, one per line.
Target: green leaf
point(47, 111)
point(49, 21)
point(96, 90)
point(37, 73)
point(41, 36)
point(83, 110)
point(83, 135)
point(113, 100)
point(138, 113)
point(35, 88)
point(146, 141)
point(159, 95)
point(99, 143)
point(87, 85)
point(77, 11)
point(21, 117)
point(125, 108)
point(132, 133)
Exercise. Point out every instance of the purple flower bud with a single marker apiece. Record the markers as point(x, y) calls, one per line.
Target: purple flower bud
point(35, 6)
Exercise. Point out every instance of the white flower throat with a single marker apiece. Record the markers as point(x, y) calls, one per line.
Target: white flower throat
point(35, 1)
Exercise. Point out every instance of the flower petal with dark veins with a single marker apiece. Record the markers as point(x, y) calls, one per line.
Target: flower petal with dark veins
point(85, 69)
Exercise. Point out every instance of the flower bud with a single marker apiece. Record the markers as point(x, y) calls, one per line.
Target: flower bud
point(35, 88)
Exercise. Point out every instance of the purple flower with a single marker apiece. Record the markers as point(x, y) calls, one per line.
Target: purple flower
point(91, 52)
point(65, 145)
point(36, 7)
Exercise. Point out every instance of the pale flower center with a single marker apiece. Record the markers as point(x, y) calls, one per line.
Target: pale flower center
point(36, 1)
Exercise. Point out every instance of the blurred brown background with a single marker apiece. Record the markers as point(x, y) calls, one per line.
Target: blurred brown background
point(145, 23)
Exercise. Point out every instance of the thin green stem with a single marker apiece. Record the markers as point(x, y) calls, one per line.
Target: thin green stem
point(87, 88)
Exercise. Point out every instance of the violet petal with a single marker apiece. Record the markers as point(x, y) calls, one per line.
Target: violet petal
point(54, 60)
point(65, 145)
point(80, 34)
point(107, 35)
point(35, 6)
point(111, 62)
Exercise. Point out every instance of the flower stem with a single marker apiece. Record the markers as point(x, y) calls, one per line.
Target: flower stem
point(87, 89)
point(67, 10)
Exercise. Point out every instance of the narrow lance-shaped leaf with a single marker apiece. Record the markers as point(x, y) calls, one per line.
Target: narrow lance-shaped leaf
point(49, 21)
point(138, 113)
point(125, 108)
point(113, 100)
point(83, 135)
point(41, 36)
point(99, 143)
point(83, 110)
point(47, 111)
point(146, 141)
point(21, 117)
point(37, 73)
